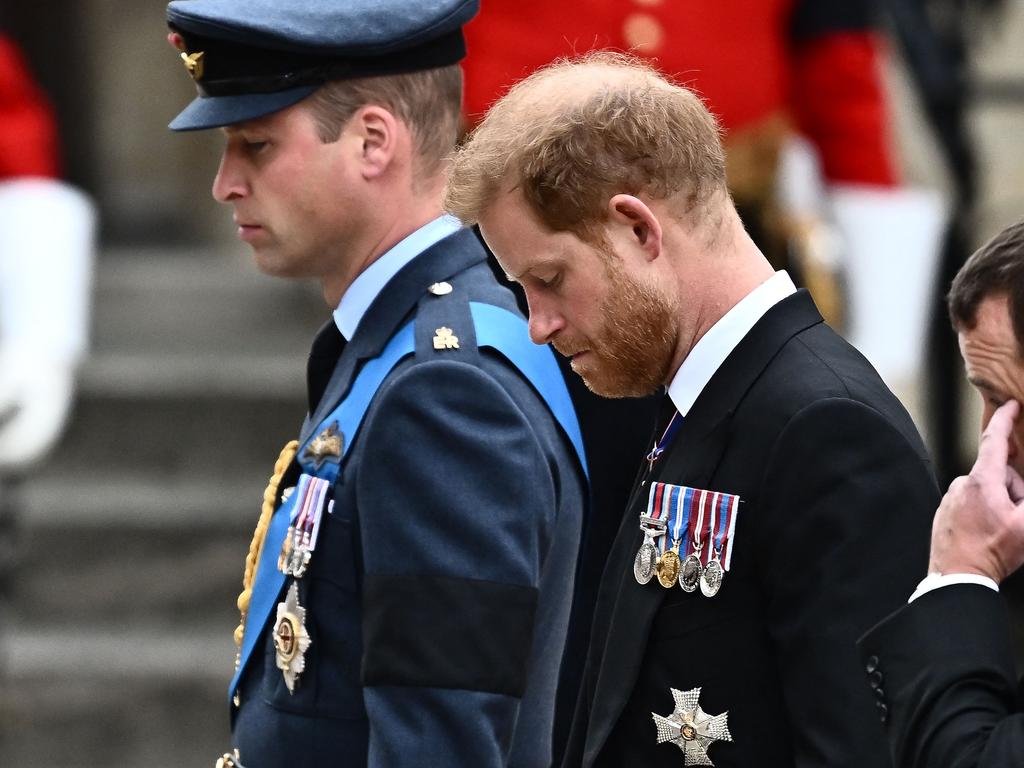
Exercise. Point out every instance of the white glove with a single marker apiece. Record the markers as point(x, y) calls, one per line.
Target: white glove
point(35, 397)
point(47, 233)
point(892, 240)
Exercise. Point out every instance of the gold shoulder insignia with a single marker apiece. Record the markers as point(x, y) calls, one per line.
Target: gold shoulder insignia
point(445, 339)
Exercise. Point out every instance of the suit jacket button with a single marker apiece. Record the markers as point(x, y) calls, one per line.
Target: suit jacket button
point(875, 678)
point(872, 664)
point(883, 711)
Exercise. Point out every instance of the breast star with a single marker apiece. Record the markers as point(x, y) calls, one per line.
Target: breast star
point(692, 729)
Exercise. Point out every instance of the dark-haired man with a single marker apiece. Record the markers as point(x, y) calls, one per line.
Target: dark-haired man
point(944, 664)
point(408, 588)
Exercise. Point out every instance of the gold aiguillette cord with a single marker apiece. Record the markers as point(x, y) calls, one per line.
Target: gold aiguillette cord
point(259, 536)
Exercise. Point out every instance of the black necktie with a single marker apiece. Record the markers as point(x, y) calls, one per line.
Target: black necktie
point(323, 356)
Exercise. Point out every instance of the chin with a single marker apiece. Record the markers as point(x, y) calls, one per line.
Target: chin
point(615, 385)
point(273, 265)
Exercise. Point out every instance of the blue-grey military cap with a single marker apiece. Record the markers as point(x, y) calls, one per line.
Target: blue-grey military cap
point(250, 58)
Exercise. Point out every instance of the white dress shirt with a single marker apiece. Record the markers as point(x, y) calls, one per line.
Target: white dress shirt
point(713, 347)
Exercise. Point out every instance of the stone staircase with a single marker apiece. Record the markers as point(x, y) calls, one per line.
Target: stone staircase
point(118, 644)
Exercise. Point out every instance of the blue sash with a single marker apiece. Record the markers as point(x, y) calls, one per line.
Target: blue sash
point(496, 328)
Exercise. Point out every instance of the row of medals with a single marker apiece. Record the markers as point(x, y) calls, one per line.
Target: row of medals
point(670, 569)
point(291, 639)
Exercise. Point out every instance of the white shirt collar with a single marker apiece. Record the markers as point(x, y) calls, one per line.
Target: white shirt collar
point(717, 344)
point(371, 281)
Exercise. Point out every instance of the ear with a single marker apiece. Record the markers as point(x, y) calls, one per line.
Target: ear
point(633, 224)
point(379, 133)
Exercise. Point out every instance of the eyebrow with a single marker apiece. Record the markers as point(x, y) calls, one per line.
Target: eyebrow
point(550, 263)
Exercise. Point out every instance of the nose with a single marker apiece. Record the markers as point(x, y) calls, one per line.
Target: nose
point(229, 183)
point(545, 321)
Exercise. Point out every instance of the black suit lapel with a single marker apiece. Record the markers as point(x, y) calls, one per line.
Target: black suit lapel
point(393, 305)
point(636, 604)
point(691, 460)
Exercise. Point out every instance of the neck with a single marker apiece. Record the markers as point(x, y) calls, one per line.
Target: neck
point(394, 218)
point(724, 274)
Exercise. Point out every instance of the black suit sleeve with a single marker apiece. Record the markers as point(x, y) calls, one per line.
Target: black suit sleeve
point(945, 666)
point(843, 528)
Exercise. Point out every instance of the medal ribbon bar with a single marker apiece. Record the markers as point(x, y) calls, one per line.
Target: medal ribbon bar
point(696, 518)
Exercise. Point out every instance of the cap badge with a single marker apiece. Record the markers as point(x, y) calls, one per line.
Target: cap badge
point(445, 339)
point(193, 64)
point(692, 729)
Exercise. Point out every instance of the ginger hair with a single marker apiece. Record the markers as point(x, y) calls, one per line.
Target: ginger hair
point(579, 131)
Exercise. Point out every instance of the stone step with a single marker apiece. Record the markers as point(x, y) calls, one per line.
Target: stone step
point(191, 430)
point(107, 551)
point(118, 646)
point(182, 375)
point(172, 303)
point(121, 696)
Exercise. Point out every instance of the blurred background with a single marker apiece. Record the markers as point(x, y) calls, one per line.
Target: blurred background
point(122, 535)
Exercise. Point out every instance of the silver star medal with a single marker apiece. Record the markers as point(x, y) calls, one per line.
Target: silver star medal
point(692, 729)
point(291, 640)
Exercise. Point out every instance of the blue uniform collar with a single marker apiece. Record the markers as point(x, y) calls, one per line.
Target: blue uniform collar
point(394, 304)
point(368, 285)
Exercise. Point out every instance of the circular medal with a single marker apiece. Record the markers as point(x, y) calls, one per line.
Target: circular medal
point(711, 579)
point(668, 568)
point(285, 637)
point(690, 573)
point(643, 564)
point(291, 640)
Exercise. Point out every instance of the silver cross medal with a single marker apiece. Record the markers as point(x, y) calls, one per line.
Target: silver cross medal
point(692, 729)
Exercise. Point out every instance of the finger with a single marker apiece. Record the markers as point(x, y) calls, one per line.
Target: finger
point(994, 448)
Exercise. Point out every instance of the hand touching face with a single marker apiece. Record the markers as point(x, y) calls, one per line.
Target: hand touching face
point(979, 526)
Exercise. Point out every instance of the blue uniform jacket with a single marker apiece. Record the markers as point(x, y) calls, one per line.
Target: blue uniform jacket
point(438, 597)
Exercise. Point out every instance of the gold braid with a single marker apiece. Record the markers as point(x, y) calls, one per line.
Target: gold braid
point(259, 536)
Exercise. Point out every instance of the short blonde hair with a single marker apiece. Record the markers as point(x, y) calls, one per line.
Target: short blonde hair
point(580, 131)
point(429, 102)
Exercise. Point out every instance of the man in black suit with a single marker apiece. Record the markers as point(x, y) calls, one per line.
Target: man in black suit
point(944, 663)
point(787, 494)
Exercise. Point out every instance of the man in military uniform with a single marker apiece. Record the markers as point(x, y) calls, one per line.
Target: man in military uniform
point(408, 588)
point(787, 496)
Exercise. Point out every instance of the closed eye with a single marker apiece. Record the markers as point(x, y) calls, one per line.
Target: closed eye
point(549, 281)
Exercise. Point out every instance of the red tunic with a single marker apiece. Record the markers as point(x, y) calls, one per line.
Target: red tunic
point(28, 132)
point(737, 54)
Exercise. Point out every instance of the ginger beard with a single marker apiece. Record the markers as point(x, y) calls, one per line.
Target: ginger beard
point(631, 353)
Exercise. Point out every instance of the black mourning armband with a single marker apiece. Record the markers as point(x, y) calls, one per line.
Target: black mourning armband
point(444, 632)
